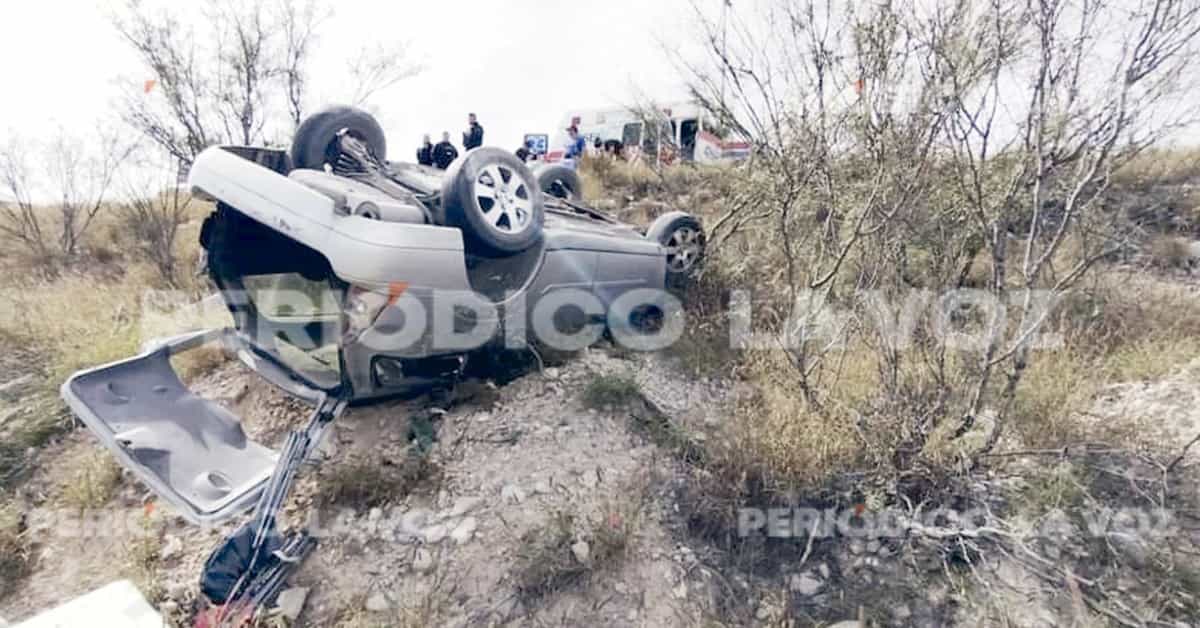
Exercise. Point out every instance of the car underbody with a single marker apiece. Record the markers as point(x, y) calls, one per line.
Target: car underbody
point(350, 278)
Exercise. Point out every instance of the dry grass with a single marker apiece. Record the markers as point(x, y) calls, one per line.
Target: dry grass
point(91, 482)
point(16, 554)
point(1164, 166)
point(419, 603)
point(143, 559)
point(76, 321)
point(372, 480)
point(546, 562)
point(610, 390)
point(1171, 253)
point(1115, 330)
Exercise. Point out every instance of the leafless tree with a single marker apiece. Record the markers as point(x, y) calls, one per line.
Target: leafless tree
point(21, 220)
point(78, 180)
point(1099, 83)
point(951, 127)
point(299, 33)
point(377, 68)
point(173, 109)
point(235, 74)
point(247, 65)
point(153, 214)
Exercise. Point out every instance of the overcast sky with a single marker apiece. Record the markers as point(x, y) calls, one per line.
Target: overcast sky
point(519, 64)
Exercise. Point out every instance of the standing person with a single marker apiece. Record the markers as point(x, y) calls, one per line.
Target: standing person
point(425, 152)
point(444, 152)
point(473, 137)
point(575, 148)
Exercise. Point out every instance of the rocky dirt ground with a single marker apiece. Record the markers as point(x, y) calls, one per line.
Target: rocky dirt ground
point(537, 508)
point(517, 465)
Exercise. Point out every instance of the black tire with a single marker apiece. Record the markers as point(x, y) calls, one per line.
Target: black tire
point(313, 145)
point(465, 202)
point(683, 236)
point(559, 181)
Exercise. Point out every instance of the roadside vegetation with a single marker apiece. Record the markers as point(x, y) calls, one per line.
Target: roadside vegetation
point(858, 202)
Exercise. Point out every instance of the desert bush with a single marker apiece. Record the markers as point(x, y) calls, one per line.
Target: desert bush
point(548, 561)
point(153, 222)
point(372, 480)
point(220, 79)
point(143, 559)
point(16, 553)
point(881, 175)
point(860, 190)
point(77, 174)
point(1171, 252)
point(91, 483)
point(607, 390)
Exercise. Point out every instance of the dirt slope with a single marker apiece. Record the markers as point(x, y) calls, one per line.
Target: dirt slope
point(526, 460)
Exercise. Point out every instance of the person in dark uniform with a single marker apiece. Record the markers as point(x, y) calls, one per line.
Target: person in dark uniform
point(444, 152)
point(425, 152)
point(473, 137)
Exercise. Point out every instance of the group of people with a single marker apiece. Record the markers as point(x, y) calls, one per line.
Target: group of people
point(442, 154)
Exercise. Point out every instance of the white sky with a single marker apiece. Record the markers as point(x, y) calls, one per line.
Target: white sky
point(521, 65)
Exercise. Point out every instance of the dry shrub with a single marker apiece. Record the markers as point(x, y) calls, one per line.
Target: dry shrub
point(143, 559)
point(610, 390)
point(373, 480)
point(197, 363)
point(1171, 253)
point(1159, 166)
point(1117, 329)
point(419, 604)
point(546, 562)
point(16, 553)
point(705, 349)
point(92, 482)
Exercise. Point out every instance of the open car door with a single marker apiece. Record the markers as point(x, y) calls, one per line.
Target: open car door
point(191, 451)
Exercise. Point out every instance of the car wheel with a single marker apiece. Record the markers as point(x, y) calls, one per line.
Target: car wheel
point(495, 200)
point(559, 182)
point(314, 144)
point(683, 237)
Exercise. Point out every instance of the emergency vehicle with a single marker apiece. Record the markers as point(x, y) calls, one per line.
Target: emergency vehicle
point(668, 133)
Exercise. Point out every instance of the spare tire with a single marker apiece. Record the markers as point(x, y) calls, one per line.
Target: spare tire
point(559, 181)
point(313, 146)
point(494, 198)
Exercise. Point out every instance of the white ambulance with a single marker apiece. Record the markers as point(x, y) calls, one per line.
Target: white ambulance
point(684, 132)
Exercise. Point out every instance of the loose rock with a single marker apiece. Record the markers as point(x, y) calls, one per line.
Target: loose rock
point(172, 546)
point(582, 552)
point(377, 602)
point(465, 531)
point(464, 505)
point(423, 561)
point(291, 601)
point(512, 494)
point(805, 584)
point(435, 534)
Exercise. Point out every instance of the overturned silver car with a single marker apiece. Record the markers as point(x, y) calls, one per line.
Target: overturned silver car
point(350, 277)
